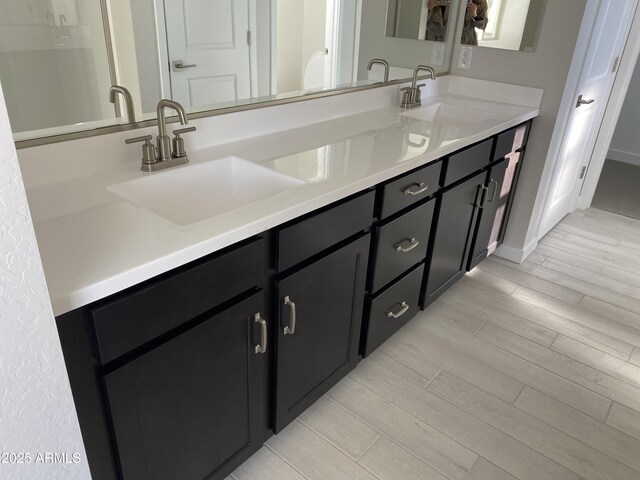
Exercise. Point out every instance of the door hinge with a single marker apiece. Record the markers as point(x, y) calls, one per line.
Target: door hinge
point(616, 64)
point(583, 172)
point(248, 37)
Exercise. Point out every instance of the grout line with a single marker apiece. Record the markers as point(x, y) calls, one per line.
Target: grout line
point(603, 422)
point(364, 452)
point(433, 378)
point(623, 380)
point(606, 417)
point(275, 452)
point(536, 419)
point(524, 386)
point(416, 418)
point(480, 328)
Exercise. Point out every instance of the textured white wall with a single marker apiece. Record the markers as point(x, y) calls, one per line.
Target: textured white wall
point(37, 414)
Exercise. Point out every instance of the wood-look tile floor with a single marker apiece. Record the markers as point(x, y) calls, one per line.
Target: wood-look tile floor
point(528, 372)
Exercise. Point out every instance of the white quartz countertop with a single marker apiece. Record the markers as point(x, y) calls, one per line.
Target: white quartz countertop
point(94, 243)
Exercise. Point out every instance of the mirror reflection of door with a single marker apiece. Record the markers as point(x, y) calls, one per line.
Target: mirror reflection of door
point(209, 54)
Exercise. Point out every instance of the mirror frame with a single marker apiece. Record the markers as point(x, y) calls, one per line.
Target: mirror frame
point(251, 104)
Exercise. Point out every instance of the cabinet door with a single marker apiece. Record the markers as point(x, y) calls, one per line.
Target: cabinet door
point(190, 407)
point(493, 215)
point(454, 232)
point(320, 310)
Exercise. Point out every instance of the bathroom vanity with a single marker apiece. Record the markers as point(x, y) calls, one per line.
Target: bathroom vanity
point(186, 373)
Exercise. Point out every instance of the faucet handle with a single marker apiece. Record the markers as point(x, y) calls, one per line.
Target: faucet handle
point(148, 150)
point(178, 142)
point(177, 132)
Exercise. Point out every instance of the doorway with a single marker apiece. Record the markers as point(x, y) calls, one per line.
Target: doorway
point(618, 188)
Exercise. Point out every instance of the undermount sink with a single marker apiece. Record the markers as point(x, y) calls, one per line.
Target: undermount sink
point(447, 114)
point(195, 192)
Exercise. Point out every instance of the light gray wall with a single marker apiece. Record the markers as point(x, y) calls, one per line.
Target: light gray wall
point(37, 414)
point(625, 144)
point(547, 68)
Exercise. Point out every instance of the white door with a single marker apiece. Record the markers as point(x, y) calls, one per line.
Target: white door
point(608, 37)
point(209, 38)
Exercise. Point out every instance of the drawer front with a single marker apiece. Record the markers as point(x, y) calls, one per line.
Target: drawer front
point(392, 309)
point(466, 162)
point(401, 244)
point(146, 312)
point(511, 141)
point(310, 236)
point(405, 191)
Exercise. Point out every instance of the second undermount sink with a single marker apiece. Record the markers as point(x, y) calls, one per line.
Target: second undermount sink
point(195, 192)
point(447, 114)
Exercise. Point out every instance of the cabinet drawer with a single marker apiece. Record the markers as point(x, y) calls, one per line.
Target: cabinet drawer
point(410, 188)
point(468, 161)
point(155, 307)
point(305, 238)
point(511, 141)
point(401, 244)
point(391, 309)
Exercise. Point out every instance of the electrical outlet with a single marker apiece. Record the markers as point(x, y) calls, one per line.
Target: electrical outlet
point(437, 57)
point(466, 53)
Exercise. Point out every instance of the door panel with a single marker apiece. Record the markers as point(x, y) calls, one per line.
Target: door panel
point(456, 224)
point(607, 41)
point(210, 38)
point(186, 408)
point(328, 297)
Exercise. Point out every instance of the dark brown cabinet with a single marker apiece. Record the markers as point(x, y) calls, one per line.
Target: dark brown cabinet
point(191, 407)
point(172, 378)
point(453, 236)
point(319, 311)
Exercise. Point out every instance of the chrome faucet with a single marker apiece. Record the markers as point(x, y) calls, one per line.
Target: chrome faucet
point(382, 62)
point(164, 142)
point(116, 90)
point(162, 155)
point(412, 95)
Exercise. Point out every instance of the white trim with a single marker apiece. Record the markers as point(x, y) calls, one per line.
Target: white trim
point(163, 49)
point(517, 255)
point(624, 157)
point(612, 113)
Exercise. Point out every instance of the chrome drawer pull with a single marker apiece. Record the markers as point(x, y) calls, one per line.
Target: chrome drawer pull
point(421, 189)
point(291, 329)
point(413, 243)
point(262, 348)
point(399, 313)
point(484, 195)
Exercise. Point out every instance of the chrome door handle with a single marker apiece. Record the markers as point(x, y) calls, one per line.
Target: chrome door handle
point(403, 309)
point(421, 189)
point(262, 348)
point(495, 190)
point(581, 101)
point(179, 65)
point(291, 329)
point(413, 243)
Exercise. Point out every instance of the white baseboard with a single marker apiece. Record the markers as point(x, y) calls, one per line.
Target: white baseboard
point(625, 157)
point(517, 255)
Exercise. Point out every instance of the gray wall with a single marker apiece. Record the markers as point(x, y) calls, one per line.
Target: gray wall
point(547, 68)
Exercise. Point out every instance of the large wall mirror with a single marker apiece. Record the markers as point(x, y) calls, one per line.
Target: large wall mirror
point(505, 24)
point(60, 58)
